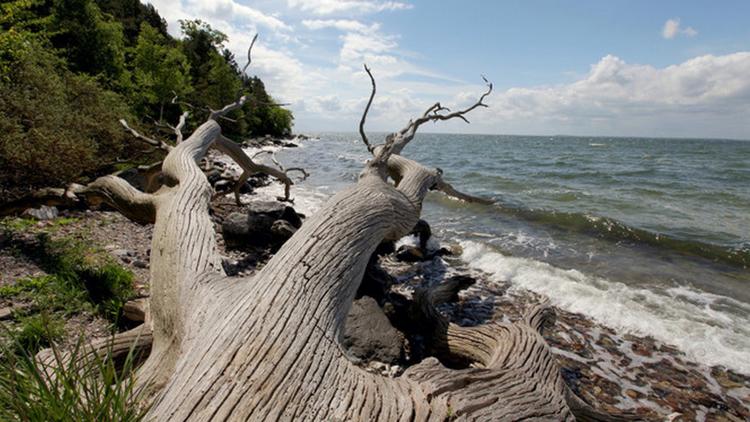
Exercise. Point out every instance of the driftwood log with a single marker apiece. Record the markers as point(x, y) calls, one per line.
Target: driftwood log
point(268, 347)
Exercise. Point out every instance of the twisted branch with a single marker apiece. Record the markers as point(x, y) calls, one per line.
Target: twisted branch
point(151, 141)
point(367, 109)
point(395, 142)
point(432, 114)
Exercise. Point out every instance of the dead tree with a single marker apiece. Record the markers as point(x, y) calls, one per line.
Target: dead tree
point(268, 347)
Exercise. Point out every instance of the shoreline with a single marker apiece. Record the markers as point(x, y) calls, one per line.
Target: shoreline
point(614, 371)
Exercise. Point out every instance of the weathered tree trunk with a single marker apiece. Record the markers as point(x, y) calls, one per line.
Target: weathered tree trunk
point(268, 347)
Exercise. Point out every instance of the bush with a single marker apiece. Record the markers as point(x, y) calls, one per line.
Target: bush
point(55, 126)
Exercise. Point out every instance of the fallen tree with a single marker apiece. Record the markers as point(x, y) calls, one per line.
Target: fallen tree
point(268, 347)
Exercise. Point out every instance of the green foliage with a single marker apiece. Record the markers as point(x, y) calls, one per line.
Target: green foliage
point(81, 268)
point(66, 78)
point(56, 126)
point(84, 388)
point(17, 224)
point(31, 15)
point(132, 14)
point(160, 71)
point(81, 279)
point(37, 332)
point(91, 42)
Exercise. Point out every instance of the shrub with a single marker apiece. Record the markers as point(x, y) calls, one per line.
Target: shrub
point(55, 126)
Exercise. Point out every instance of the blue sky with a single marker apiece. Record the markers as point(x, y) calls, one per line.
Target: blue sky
point(623, 68)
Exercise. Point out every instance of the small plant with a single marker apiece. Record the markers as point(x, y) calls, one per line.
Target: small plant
point(38, 331)
point(78, 386)
point(80, 267)
point(16, 224)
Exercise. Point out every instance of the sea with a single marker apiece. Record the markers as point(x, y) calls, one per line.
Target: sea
point(649, 236)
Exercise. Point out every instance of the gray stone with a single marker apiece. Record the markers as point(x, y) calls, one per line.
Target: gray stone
point(408, 253)
point(42, 213)
point(283, 229)
point(369, 335)
point(255, 227)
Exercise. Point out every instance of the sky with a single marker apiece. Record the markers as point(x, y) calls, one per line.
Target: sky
point(599, 68)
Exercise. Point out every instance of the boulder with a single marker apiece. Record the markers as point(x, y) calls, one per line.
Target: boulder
point(283, 229)
point(369, 335)
point(423, 232)
point(255, 226)
point(42, 213)
point(409, 253)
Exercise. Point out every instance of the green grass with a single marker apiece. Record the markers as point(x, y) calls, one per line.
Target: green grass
point(82, 269)
point(83, 388)
point(15, 224)
point(37, 332)
point(82, 279)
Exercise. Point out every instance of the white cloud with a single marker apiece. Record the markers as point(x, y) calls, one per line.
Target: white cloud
point(694, 94)
point(216, 12)
point(328, 7)
point(340, 24)
point(672, 28)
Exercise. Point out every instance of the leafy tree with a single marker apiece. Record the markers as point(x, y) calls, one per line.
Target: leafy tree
point(132, 14)
point(160, 71)
point(91, 42)
point(201, 44)
point(28, 15)
point(55, 126)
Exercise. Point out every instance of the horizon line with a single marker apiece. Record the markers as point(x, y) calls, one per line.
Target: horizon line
point(541, 136)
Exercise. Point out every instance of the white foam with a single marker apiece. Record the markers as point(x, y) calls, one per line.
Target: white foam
point(697, 326)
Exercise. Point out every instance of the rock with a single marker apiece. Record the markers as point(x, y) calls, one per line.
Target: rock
point(140, 264)
point(213, 175)
point(283, 229)
point(223, 185)
point(633, 394)
point(6, 312)
point(135, 310)
point(423, 232)
point(255, 227)
point(121, 253)
point(369, 335)
point(42, 213)
point(407, 253)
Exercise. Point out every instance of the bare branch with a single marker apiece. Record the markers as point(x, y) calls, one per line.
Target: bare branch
point(367, 109)
point(249, 167)
point(433, 113)
point(119, 194)
point(180, 126)
point(449, 190)
point(249, 54)
point(261, 152)
point(305, 174)
point(153, 142)
point(216, 114)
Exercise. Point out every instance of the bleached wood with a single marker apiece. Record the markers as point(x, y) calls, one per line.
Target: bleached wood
point(268, 347)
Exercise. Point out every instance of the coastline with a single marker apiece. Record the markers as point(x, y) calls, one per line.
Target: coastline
point(613, 371)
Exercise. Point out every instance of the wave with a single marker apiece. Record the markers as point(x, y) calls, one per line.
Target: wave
point(708, 328)
point(611, 229)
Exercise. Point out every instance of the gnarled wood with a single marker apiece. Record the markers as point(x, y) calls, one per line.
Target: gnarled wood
point(268, 348)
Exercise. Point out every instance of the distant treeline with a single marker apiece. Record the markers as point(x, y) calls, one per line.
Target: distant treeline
point(70, 69)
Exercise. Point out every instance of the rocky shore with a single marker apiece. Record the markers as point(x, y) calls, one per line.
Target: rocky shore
point(613, 371)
